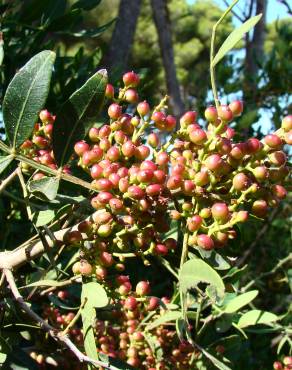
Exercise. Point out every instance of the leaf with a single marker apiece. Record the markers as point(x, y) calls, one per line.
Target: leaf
point(77, 115)
point(214, 259)
point(255, 317)
point(195, 271)
point(240, 301)
point(5, 162)
point(86, 4)
point(114, 363)
point(220, 365)
point(41, 218)
point(234, 37)
point(1, 49)
point(44, 283)
point(88, 318)
point(167, 317)
point(26, 95)
point(95, 294)
point(46, 186)
point(94, 32)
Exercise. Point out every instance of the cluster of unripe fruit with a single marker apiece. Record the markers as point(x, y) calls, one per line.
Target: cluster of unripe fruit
point(143, 178)
point(285, 364)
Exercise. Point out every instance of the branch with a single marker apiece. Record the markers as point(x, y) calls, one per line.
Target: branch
point(13, 259)
point(58, 336)
point(234, 13)
point(284, 2)
point(8, 180)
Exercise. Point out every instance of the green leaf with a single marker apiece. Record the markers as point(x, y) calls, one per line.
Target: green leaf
point(167, 317)
point(114, 363)
point(77, 115)
point(5, 162)
point(195, 271)
point(255, 317)
point(95, 294)
point(240, 301)
point(26, 95)
point(214, 259)
point(41, 218)
point(234, 37)
point(45, 187)
point(88, 318)
point(44, 283)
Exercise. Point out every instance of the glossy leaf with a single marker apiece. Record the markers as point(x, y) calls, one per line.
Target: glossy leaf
point(86, 4)
point(255, 317)
point(95, 294)
point(5, 162)
point(77, 115)
point(167, 317)
point(240, 301)
point(234, 37)
point(26, 95)
point(195, 271)
point(45, 187)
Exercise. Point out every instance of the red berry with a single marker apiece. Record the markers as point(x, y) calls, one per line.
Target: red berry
point(128, 149)
point(205, 241)
point(188, 118)
point(135, 192)
point(143, 108)
point(85, 268)
point(260, 208)
point(236, 107)
point(211, 114)
point(131, 79)
point(273, 141)
point(131, 303)
point(194, 223)
point(109, 91)
point(131, 96)
point(240, 181)
point(159, 119)
point(213, 162)
point(198, 136)
point(114, 111)
point(170, 123)
point(143, 288)
point(154, 189)
point(225, 113)
point(220, 212)
point(153, 140)
point(161, 249)
point(142, 152)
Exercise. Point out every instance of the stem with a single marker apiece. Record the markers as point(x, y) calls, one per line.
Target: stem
point(8, 180)
point(78, 314)
point(212, 50)
point(184, 252)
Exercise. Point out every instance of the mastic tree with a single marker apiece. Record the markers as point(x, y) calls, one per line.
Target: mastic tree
point(129, 258)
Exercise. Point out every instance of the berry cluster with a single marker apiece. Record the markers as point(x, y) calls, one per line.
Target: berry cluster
point(285, 364)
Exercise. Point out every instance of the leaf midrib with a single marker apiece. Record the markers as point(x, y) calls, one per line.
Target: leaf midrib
point(26, 99)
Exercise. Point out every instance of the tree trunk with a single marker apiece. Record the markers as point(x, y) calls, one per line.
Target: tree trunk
point(163, 27)
point(116, 59)
point(254, 53)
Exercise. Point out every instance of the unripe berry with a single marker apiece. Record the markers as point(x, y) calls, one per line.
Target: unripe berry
point(225, 113)
point(104, 230)
point(123, 185)
point(113, 154)
point(277, 365)
point(40, 141)
point(287, 360)
point(162, 158)
point(201, 178)
point(106, 259)
point(45, 116)
point(148, 165)
point(205, 241)
point(143, 108)
point(104, 197)
point(213, 162)
point(205, 213)
point(153, 140)
point(194, 223)
point(135, 192)
point(242, 216)
point(101, 217)
point(240, 181)
point(109, 91)
point(73, 237)
point(154, 189)
point(103, 184)
point(174, 182)
point(198, 136)
point(287, 123)
point(236, 107)
point(131, 79)
point(188, 186)
point(223, 145)
point(143, 288)
point(288, 137)
point(128, 149)
point(188, 118)
point(279, 191)
point(253, 145)
point(104, 131)
point(159, 119)
point(130, 303)
point(170, 243)
point(161, 249)
point(100, 272)
point(273, 141)
point(142, 152)
point(260, 173)
point(260, 208)
point(85, 268)
point(94, 134)
point(170, 123)
point(238, 151)
point(220, 212)
point(211, 114)
point(131, 96)
point(114, 111)
point(278, 158)
point(153, 303)
point(174, 215)
point(76, 268)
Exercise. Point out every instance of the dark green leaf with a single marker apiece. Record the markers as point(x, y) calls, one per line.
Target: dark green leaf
point(77, 115)
point(114, 363)
point(5, 162)
point(47, 10)
point(255, 317)
point(95, 32)
point(234, 37)
point(46, 186)
point(26, 96)
point(214, 259)
point(195, 271)
point(41, 218)
point(95, 294)
point(86, 4)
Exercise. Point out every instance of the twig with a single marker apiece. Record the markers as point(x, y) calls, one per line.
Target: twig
point(58, 336)
point(234, 13)
point(284, 2)
point(61, 284)
point(8, 180)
